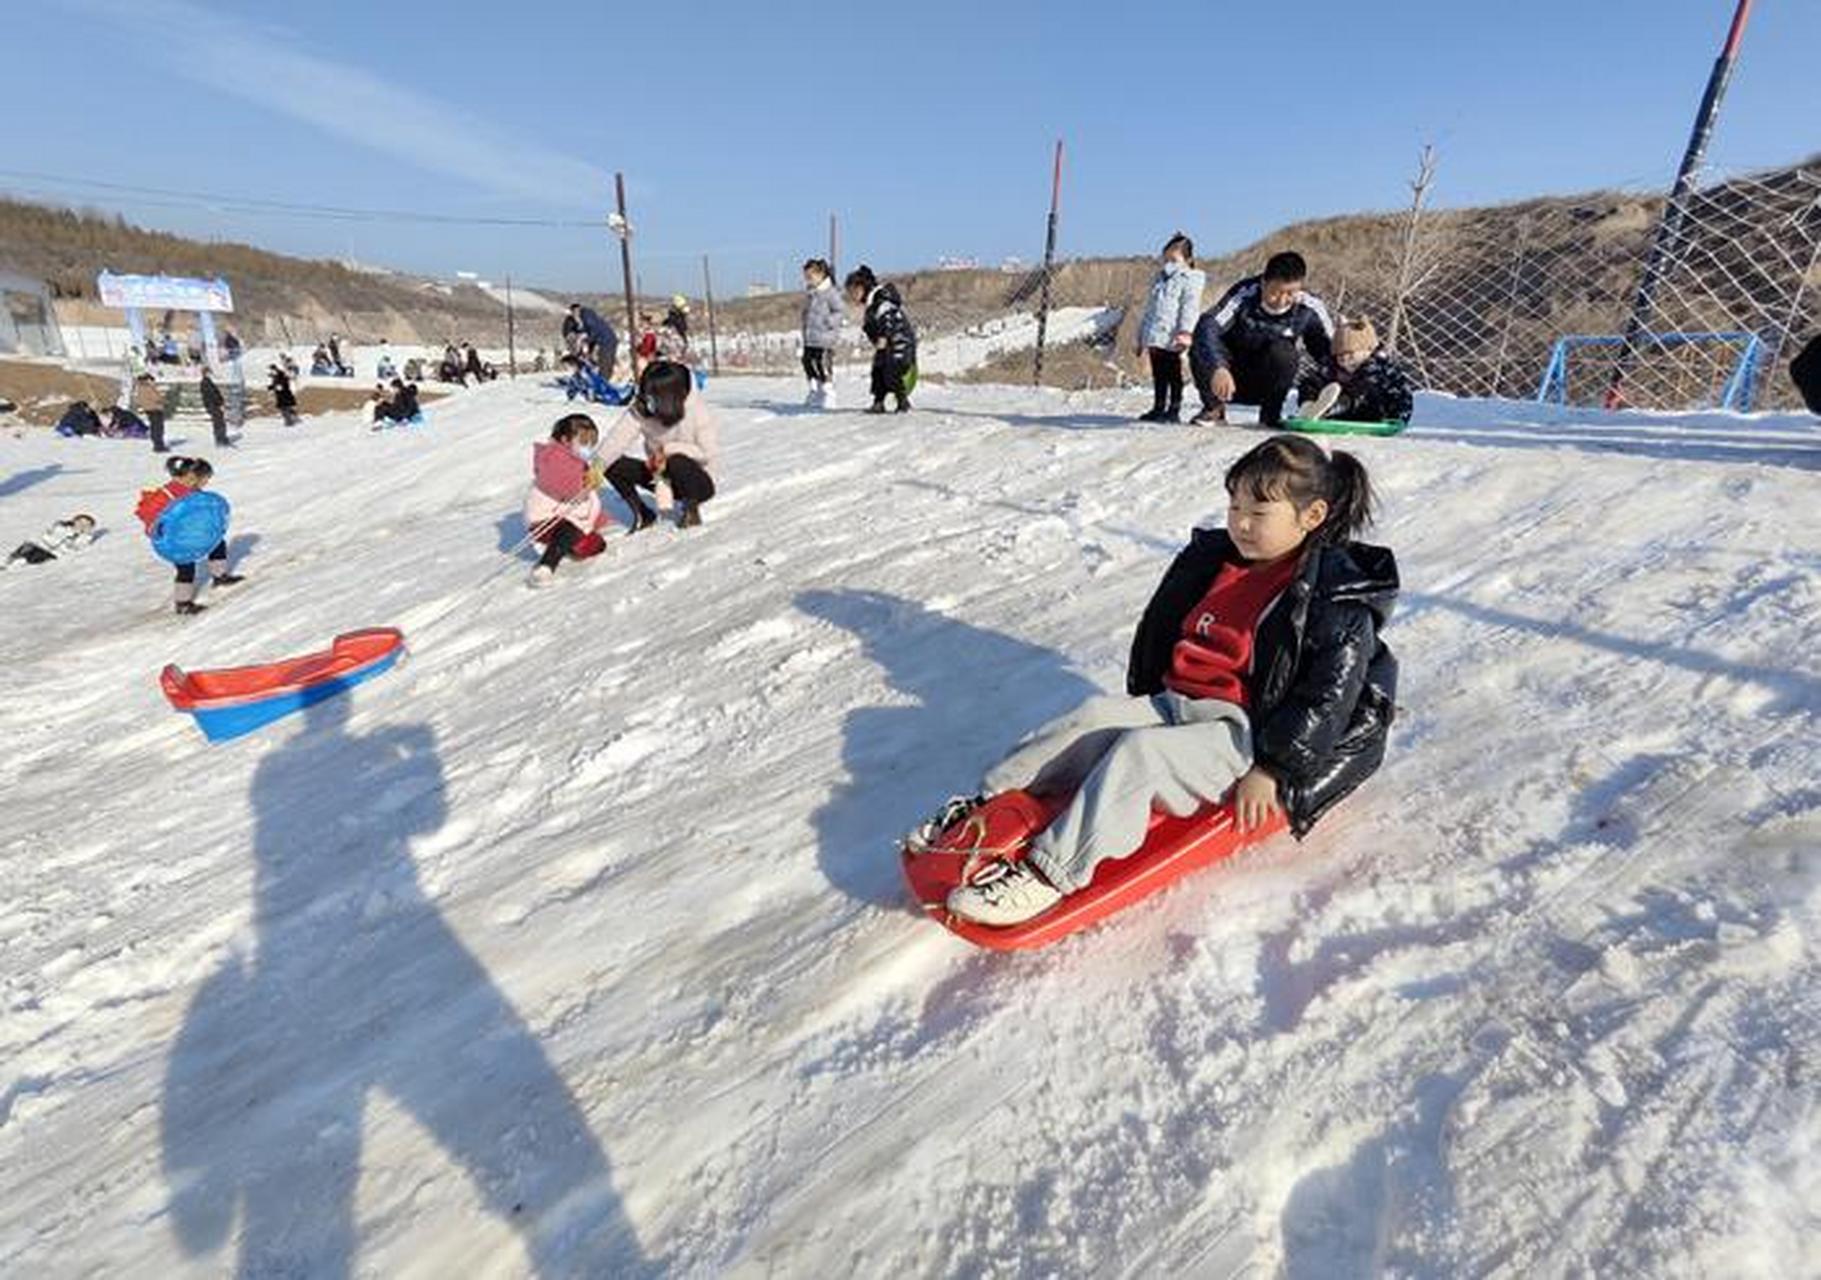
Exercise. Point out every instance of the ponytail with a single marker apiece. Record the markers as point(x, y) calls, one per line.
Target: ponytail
point(1351, 502)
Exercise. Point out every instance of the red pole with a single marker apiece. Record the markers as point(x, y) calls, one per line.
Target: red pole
point(1669, 230)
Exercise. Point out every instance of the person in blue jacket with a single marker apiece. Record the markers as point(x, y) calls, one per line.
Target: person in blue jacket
point(1165, 329)
point(598, 334)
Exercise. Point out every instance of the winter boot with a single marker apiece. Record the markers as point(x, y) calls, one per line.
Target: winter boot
point(877, 406)
point(1215, 415)
point(224, 578)
point(1324, 403)
point(1005, 893)
point(643, 517)
point(689, 515)
point(187, 607)
point(542, 576)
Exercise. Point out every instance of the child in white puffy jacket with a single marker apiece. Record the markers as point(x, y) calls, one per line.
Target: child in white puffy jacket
point(64, 537)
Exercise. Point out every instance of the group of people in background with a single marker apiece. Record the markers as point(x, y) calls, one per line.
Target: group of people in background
point(1249, 348)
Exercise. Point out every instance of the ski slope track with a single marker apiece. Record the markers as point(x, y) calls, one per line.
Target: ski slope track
point(576, 945)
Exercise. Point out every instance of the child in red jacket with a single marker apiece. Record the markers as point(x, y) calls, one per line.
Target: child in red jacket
point(188, 475)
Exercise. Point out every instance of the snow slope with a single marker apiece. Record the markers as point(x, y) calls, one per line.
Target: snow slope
point(576, 944)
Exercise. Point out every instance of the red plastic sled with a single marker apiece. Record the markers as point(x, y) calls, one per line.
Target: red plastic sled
point(1003, 827)
point(230, 701)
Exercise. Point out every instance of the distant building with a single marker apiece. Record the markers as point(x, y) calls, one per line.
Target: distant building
point(759, 289)
point(1013, 266)
point(957, 264)
point(28, 325)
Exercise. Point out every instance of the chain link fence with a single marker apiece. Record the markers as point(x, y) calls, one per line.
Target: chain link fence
point(1563, 300)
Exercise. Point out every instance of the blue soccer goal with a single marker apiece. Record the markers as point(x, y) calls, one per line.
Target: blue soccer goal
point(1715, 370)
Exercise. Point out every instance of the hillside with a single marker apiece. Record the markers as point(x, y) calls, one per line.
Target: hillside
point(278, 299)
point(577, 944)
point(1493, 287)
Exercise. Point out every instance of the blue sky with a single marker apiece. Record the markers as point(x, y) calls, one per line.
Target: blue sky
point(926, 126)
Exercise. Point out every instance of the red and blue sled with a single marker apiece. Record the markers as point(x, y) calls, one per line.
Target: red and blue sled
point(231, 701)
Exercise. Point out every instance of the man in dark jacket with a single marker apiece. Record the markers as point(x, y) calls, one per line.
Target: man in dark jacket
point(214, 406)
point(1805, 371)
point(1248, 346)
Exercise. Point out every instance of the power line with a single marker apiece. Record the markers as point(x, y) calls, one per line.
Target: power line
point(336, 213)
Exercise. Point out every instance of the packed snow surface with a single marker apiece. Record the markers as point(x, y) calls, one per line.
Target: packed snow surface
point(576, 944)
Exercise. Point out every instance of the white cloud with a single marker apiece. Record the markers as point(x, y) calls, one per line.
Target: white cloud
point(260, 66)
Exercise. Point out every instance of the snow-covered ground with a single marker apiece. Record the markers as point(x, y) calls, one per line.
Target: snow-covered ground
point(945, 351)
point(576, 944)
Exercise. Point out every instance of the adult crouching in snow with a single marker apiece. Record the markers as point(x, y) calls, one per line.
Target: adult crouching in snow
point(681, 442)
point(888, 327)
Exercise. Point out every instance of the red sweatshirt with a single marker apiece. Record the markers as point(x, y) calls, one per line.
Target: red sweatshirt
point(1214, 656)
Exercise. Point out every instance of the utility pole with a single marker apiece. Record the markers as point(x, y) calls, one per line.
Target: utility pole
point(511, 347)
point(834, 250)
point(1049, 261)
point(1675, 210)
point(714, 346)
point(622, 228)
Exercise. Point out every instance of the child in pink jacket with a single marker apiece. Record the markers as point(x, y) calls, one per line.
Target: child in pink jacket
point(563, 509)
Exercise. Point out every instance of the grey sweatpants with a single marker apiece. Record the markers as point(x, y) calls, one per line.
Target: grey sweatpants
point(1123, 756)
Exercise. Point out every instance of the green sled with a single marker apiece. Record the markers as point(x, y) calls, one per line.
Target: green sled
point(1341, 427)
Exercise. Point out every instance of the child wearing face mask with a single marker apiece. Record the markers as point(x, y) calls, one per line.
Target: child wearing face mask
point(1358, 383)
point(563, 509)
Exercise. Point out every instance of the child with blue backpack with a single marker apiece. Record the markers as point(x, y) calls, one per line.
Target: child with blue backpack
point(188, 478)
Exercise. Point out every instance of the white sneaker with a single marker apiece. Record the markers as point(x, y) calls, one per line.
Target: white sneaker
point(1004, 893)
point(1324, 402)
point(828, 395)
point(542, 576)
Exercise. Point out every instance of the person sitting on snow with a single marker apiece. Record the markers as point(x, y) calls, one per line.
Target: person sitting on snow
point(401, 404)
point(1257, 678)
point(79, 420)
point(386, 370)
point(563, 509)
point(1358, 382)
point(320, 364)
point(1245, 348)
point(64, 537)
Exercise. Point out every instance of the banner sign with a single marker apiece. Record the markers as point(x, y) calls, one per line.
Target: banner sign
point(163, 293)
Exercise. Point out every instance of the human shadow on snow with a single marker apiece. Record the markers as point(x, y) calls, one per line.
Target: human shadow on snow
point(357, 984)
point(973, 693)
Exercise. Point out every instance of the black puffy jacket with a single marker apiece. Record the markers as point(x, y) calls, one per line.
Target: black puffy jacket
point(885, 318)
point(1323, 686)
point(1805, 372)
point(1378, 391)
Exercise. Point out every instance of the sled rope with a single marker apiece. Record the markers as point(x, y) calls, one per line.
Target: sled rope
point(534, 534)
